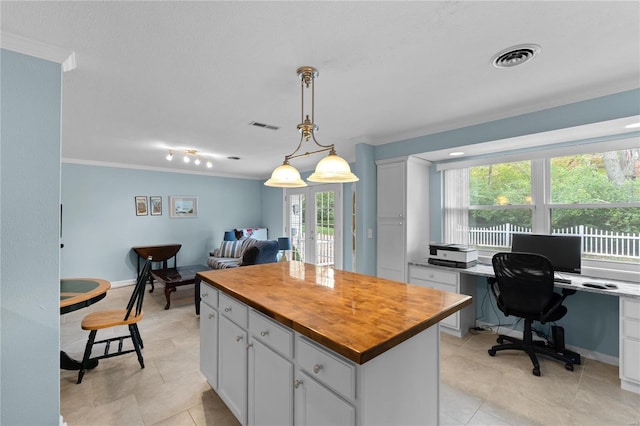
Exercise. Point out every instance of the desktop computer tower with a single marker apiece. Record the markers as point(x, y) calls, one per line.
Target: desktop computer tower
point(557, 336)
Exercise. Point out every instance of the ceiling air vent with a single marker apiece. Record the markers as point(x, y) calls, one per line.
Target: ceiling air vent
point(265, 126)
point(515, 55)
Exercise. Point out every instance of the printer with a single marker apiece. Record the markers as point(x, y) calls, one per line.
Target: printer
point(452, 255)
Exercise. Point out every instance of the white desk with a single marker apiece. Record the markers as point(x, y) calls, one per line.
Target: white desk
point(629, 300)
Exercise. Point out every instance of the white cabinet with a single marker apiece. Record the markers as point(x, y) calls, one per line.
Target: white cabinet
point(459, 323)
point(270, 372)
point(391, 185)
point(630, 344)
point(209, 334)
point(317, 405)
point(322, 383)
point(232, 356)
point(391, 255)
point(402, 215)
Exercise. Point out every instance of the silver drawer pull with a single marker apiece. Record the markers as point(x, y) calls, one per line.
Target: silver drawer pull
point(297, 383)
point(250, 345)
point(317, 368)
point(227, 309)
point(211, 316)
point(205, 294)
point(238, 338)
point(264, 333)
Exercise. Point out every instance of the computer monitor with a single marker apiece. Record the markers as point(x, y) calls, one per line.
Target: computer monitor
point(564, 251)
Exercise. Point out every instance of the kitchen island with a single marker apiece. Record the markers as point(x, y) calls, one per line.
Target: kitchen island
point(293, 343)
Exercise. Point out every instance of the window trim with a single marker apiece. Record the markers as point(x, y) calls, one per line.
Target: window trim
point(541, 205)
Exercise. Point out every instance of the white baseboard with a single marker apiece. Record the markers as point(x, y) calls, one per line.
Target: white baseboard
point(584, 353)
point(124, 283)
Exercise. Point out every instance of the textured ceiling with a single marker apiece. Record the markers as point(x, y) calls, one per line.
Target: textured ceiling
point(193, 75)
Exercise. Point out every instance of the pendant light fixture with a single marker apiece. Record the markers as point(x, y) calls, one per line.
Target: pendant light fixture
point(331, 169)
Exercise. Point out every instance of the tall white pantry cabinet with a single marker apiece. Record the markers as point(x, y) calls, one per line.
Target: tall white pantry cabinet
point(402, 215)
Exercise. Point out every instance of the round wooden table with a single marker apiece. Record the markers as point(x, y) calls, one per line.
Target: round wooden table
point(78, 293)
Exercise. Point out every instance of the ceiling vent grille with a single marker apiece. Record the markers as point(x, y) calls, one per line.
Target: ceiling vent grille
point(264, 126)
point(516, 55)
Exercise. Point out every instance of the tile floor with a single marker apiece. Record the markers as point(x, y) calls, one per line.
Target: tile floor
point(476, 389)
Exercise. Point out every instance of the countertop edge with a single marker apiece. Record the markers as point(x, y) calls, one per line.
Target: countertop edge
point(357, 357)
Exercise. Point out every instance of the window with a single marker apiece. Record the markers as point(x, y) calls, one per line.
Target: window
point(595, 195)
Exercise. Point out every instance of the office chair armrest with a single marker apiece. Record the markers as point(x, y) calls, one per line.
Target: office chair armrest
point(565, 292)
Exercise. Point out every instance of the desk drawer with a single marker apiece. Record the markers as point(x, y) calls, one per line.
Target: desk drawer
point(209, 295)
point(630, 308)
point(234, 310)
point(338, 375)
point(271, 333)
point(432, 274)
point(630, 329)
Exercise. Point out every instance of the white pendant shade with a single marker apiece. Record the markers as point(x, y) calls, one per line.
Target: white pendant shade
point(285, 176)
point(332, 169)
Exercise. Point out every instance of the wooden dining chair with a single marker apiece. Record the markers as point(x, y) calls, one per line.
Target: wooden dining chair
point(117, 317)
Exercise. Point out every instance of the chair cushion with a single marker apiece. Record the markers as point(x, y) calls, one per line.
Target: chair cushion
point(223, 262)
point(231, 249)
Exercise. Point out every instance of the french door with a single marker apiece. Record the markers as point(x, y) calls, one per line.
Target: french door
point(313, 221)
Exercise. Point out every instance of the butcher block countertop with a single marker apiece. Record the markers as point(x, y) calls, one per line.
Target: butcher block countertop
point(355, 315)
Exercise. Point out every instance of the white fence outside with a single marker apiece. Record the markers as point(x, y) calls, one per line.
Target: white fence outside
point(595, 242)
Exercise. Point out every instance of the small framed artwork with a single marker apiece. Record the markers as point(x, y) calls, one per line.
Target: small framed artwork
point(156, 205)
point(183, 206)
point(141, 206)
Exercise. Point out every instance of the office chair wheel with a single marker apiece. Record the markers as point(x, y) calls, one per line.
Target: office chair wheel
point(536, 372)
point(492, 352)
point(500, 340)
point(568, 367)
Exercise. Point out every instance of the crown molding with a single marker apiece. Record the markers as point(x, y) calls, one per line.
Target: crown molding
point(26, 46)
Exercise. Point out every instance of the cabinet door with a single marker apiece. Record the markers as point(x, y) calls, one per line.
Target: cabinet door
point(391, 262)
point(317, 405)
point(232, 368)
point(270, 387)
point(391, 190)
point(209, 344)
point(629, 360)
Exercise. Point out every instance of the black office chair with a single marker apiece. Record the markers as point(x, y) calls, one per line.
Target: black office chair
point(117, 317)
point(523, 287)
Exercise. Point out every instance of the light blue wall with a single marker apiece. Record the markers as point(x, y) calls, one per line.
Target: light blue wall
point(592, 320)
point(271, 209)
point(366, 205)
point(29, 248)
point(100, 225)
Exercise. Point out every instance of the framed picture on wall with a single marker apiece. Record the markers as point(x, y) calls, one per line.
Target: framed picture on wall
point(141, 206)
point(183, 206)
point(156, 205)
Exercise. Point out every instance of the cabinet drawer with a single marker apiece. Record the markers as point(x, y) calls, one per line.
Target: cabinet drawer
point(629, 355)
point(234, 310)
point(630, 308)
point(432, 274)
point(209, 295)
point(271, 333)
point(434, 284)
point(630, 329)
point(338, 375)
